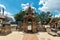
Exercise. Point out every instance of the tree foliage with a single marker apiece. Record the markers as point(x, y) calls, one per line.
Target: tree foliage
point(19, 16)
point(44, 16)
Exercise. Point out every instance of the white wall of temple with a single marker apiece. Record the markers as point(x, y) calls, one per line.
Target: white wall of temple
point(0, 20)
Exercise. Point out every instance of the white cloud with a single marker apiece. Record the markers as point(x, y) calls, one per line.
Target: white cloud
point(44, 8)
point(25, 6)
point(42, 2)
point(57, 15)
point(50, 5)
point(3, 6)
point(9, 15)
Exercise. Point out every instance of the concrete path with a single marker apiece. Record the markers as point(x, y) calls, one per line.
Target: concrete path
point(24, 36)
point(30, 37)
point(46, 36)
point(13, 36)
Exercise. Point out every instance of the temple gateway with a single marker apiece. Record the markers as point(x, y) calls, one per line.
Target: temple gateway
point(29, 22)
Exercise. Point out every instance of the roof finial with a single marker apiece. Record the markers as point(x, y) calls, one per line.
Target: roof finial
point(29, 5)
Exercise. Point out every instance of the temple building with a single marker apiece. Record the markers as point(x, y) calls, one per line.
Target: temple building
point(2, 18)
point(29, 21)
point(4, 25)
point(53, 23)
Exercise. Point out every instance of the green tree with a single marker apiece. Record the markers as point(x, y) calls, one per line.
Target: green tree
point(45, 16)
point(19, 16)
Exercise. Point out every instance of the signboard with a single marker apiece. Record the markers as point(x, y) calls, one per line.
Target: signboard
point(29, 27)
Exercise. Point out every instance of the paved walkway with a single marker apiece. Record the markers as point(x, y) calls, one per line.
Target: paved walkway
point(46, 36)
point(24, 36)
point(13, 36)
point(30, 37)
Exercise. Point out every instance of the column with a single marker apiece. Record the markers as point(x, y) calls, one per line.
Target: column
point(34, 27)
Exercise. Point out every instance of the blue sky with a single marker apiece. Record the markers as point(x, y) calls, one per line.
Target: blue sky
point(14, 6)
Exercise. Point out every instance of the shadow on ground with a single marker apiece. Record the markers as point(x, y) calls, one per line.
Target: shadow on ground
point(4, 34)
point(30, 32)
